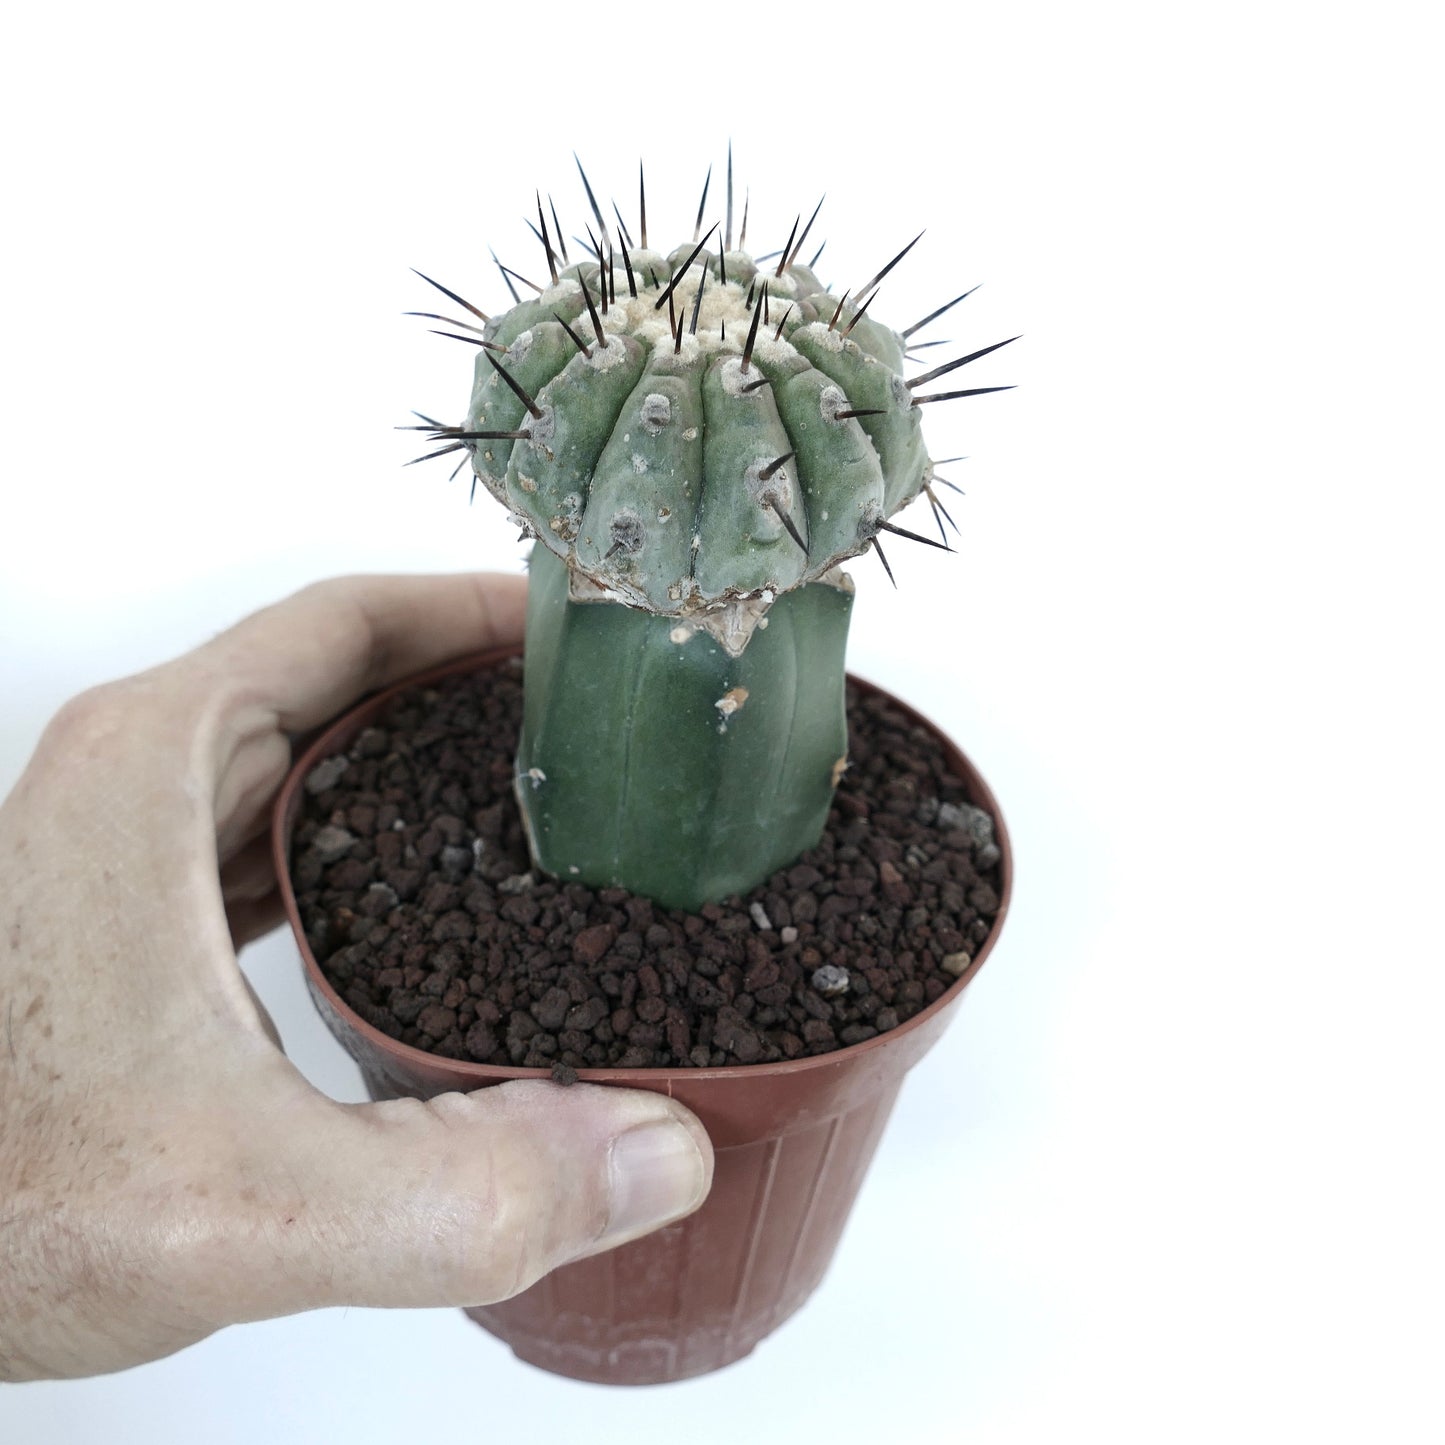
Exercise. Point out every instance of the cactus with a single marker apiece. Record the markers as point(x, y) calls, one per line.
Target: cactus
point(696, 441)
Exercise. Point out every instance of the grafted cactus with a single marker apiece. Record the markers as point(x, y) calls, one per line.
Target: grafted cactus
point(696, 441)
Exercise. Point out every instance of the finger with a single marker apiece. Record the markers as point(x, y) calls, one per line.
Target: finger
point(263, 1015)
point(251, 769)
point(308, 657)
point(249, 892)
point(255, 918)
point(250, 873)
point(462, 1200)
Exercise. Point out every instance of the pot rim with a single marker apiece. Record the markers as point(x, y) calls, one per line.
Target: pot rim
point(356, 717)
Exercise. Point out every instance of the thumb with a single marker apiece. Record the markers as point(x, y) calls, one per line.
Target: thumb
point(464, 1199)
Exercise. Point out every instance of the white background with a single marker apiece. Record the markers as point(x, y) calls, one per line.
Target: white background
point(1171, 1175)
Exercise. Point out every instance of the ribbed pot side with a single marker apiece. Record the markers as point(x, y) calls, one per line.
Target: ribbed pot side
point(793, 1141)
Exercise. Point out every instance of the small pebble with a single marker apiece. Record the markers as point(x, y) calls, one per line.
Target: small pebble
point(371, 744)
point(591, 944)
point(325, 774)
point(974, 821)
point(830, 980)
point(760, 916)
point(332, 843)
point(955, 963)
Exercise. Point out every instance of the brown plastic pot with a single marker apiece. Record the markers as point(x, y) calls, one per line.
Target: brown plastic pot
point(793, 1141)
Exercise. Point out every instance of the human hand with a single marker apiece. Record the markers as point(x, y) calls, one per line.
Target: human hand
point(164, 1170)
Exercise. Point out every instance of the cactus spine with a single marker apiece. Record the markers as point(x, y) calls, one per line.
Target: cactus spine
point(696, 442)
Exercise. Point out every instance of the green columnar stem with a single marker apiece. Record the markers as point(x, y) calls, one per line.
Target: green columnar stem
point(653, 760)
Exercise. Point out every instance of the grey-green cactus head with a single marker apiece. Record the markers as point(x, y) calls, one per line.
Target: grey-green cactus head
point(696, 433)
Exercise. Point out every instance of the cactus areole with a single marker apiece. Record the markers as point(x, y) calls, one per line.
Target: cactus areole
point(696, 441)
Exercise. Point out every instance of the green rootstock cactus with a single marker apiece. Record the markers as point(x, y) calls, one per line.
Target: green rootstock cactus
point(696, 440)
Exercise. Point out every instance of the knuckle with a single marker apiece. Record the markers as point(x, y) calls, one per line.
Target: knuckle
point(508, 1221)
point(508, 1263)
point(90, 718)
point(512, 1204)
point(107, 718)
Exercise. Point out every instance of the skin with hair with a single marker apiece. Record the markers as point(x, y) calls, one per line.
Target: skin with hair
point(164, 1170)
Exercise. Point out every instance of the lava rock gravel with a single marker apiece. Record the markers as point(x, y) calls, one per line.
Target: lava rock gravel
point(417, 896)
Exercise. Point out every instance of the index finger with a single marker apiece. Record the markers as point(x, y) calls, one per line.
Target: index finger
point(310, 656)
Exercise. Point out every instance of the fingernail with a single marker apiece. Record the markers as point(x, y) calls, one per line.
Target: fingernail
point(657, 1174)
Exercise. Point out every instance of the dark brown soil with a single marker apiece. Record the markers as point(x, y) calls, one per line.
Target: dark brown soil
point(415, 889)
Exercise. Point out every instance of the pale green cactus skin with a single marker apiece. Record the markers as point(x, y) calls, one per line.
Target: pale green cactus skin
point(684, 728)
point(641, 472)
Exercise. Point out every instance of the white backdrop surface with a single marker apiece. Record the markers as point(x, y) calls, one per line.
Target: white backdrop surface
point(1171, 1175)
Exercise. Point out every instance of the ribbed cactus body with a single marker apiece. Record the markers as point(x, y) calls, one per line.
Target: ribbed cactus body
point(646, 467)
point(696, 440)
